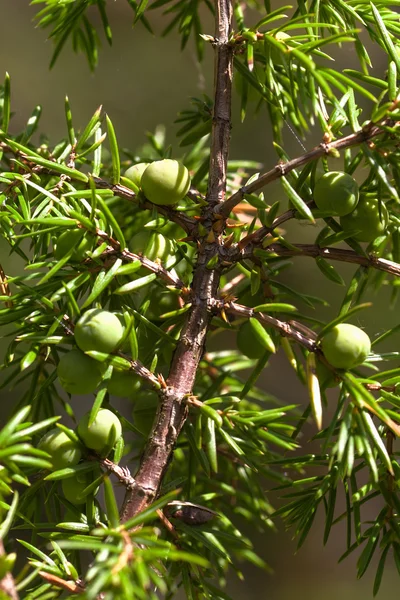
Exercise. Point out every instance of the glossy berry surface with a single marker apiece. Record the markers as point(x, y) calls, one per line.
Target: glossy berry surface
point(123, 384)
point(152, 245)
point(102, 433)
point(165, 182)
point(78, 373)
point(345, 346)
point(368, 219)
point(336, 193)
point(135, 172)
point(98, 330)
point(73, 487)
point(161, 302)
point(64, 452)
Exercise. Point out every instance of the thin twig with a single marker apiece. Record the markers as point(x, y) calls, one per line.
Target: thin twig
point(337, 254)
point(169, 277)
point(280, 170)
point(121, 473)
point(71, 586)
point(187, 223)
point(282, 326)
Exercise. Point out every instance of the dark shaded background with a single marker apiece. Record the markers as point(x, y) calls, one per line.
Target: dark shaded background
point(143, 81)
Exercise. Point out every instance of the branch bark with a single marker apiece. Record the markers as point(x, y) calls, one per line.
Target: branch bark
point(285, 328)
point(172, 411)
point(338, 254)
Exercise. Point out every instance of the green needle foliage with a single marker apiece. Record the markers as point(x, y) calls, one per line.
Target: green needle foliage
point(202, 444)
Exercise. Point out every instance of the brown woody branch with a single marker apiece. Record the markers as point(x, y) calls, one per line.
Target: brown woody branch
point(172, 409)
point(365, 134)
point(187, 223)
point(170, 278)
point(258, 235)
point(338, 254)
point(284, 328)
point(121, 473)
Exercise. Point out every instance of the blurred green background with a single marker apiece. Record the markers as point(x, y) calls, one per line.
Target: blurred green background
point(143, 81)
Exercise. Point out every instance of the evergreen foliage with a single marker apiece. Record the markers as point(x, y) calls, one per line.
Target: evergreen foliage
point(204, 443)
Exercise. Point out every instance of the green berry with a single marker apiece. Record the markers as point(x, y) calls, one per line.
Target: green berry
point(103, 433)
point(345, 346)
point(248, 341)
point(161, 302)
point(73, 487)
point(336, 193)
point(165, 182)
point(368, 218)
point(64, 452)
point(135, 173)
point(73, 238)
point(152, 245)
point(98, 330)
point(78, 373)
point(123, 384)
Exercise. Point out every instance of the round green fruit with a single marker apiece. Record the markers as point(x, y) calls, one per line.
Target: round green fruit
point(152, 245)
point(98, 330)
point(336, 193)
point(368, 219)
point(123, 384)
point(73, 487)
point(73, 238)
point(345, 346)
point(64, 452)
point(144, 411)
point(161, 302)
point(78, 373)
point(165, 182)
point(135, 173)
point(247, 341)
point(103, 432)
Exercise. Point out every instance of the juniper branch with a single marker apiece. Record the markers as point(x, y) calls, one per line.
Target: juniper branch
point(172, 410)
point(337, 254)
point(365, 134)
